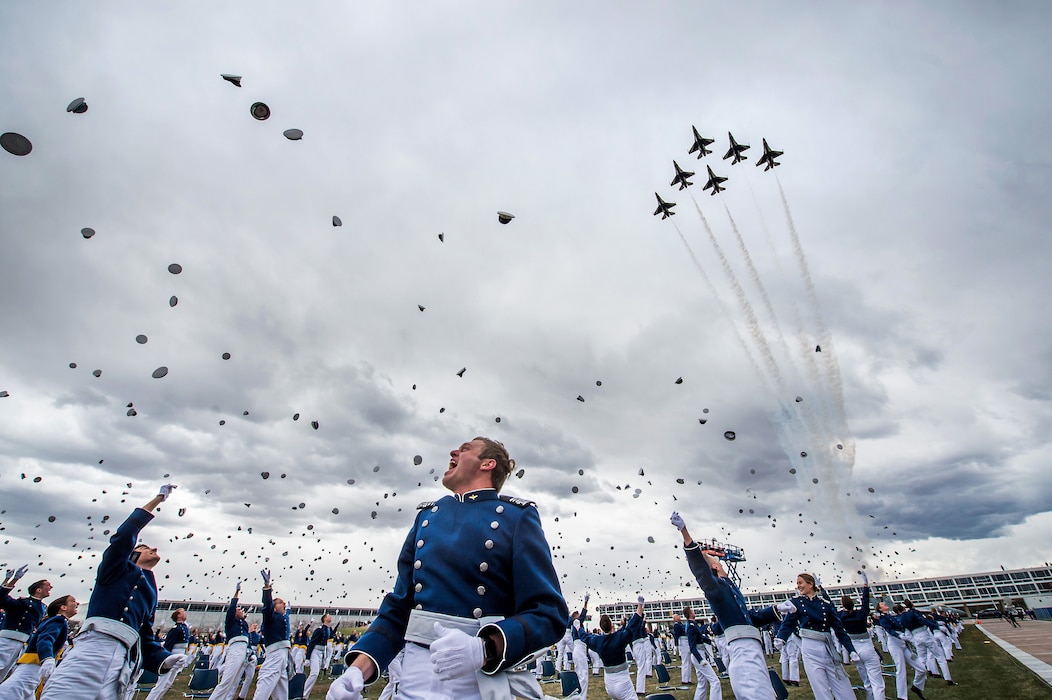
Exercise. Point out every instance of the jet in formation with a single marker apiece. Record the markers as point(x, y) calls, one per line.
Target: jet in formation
point(681, 177)
point(714, 182)
point(769, 154)
point(735, 151)
point(664, 208)
point(700, 143)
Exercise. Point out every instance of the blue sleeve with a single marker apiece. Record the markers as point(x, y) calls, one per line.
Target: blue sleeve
point(701, 570)
point(153, 654)
point(116, 559)
point(790, 623)
point(838, 628)
point(6, 601)
point(865, 601)
point(47, 634)
point(764, 616)
point(231, 613)
point(539, 604)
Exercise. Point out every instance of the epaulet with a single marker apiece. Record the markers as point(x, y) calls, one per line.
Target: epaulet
point(520, 502)
point(425, 504)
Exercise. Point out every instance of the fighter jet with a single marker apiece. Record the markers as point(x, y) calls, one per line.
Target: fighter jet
point(735, 150)
point(769, 154)
point(714, 182)
point(681, 177)
point(664, 208)
point(700, 142)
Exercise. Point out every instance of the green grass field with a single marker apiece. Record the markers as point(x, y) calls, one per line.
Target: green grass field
point(984, 671)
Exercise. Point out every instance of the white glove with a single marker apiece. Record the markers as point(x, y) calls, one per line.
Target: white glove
point(818, 581)
point(455, 654)
point(265, 573)
point(174, 663)
point(786, 607)
point(586, 597)
point(577, 624)
point(237, 591)
point(21, 571)
point(865, 578)
point(640, 600)
point(348, 686)
point(855, 658)
point(779, 643)
point(47, 667)
point(165, 491)
point(677, 521)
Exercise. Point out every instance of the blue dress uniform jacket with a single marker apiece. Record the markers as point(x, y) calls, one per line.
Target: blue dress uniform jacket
point(473, 556)
point(726, 601)
point(913, 620)
point(235, 627)
point(49, 638)
point(321, 635)
point(127, 593)
point(577, 631)
point(695, 636)
point(857, 621)
point(817, 615)
point(275, 625)
point(678, 630)
point(23, 614)
point(611, 647)
point(891, 624)
point(180, 634)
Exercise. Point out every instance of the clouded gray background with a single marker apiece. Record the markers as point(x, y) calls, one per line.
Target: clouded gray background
point(916, 170)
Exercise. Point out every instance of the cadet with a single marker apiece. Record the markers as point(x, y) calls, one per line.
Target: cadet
point(236, 656)
point(117, 636)
point(476, 591)
point(610, 646)
point(272, 682)
point(43, 648)
point(22, 617)
point(316, 653)
point(856, 624)
point(176, 642)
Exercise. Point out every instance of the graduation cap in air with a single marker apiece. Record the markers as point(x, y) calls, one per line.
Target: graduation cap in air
point(504, 217)
point(87, 232)
point(175, 268)
point(461, 372)
point(15, 144)
point(160, 372)
point(260, 111)
point(173, 300)
point(77, 106)
point(141, 339)
point(336, 221)
point(441, 237)
point(293, 134)
point(232, 79)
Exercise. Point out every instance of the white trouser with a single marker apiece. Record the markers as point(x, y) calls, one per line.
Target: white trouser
point(22, 683)
point(707, 679)
point(721, 644)
point(230, 674)
point(580, 665)
point(317, 660)
point(619, 685)
point(299, 656)
point(250, 673)
point(825, 673)
point(215, 659)
point(597, 663)
point(903, 659)
point(930, 652)
point(419, 681)
point(641, 652)
point(91, 670)
point(10, 650)
point(791, 659)
point(684, 659)
point(394, 675)
point(165, 680)
point(565, 650)
point(947, 645)
point(748, 669)
point(768, 649)
point(273, 680)
point(869, 668)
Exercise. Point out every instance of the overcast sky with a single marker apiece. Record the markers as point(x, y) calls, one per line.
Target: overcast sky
point(905, 233)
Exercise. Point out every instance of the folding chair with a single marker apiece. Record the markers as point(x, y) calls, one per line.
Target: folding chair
point(664, 680)
point(296, 684)
point(571, 686)
point(337, 670)
point(780, 690)
point(660, 696)
point(665, 658)
point(548, 674)
point(201, 661)
point(147, 680)
point(202, 683)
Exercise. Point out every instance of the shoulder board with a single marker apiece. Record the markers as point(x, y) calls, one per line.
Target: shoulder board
point(520, 502)
point(425, 504)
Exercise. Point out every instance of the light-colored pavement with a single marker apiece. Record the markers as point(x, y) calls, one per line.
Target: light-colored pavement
point(1030, 643)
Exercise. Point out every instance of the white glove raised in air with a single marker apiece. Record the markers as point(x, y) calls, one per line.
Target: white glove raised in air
point(865, 577)
point(21, 571)
point(174, 663)
point(265, 573)
point(779, 643)
point(786, 607)
point(818, 581)
point(455, 653)
point(47, 667)
point(677, 521)
point(640, 600)
point(586, 597)
point(237, 591)
point(855, 658)
point(348, 686)
point(165, 491)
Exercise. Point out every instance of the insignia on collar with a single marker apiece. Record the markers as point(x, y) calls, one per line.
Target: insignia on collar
point(473, 496)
